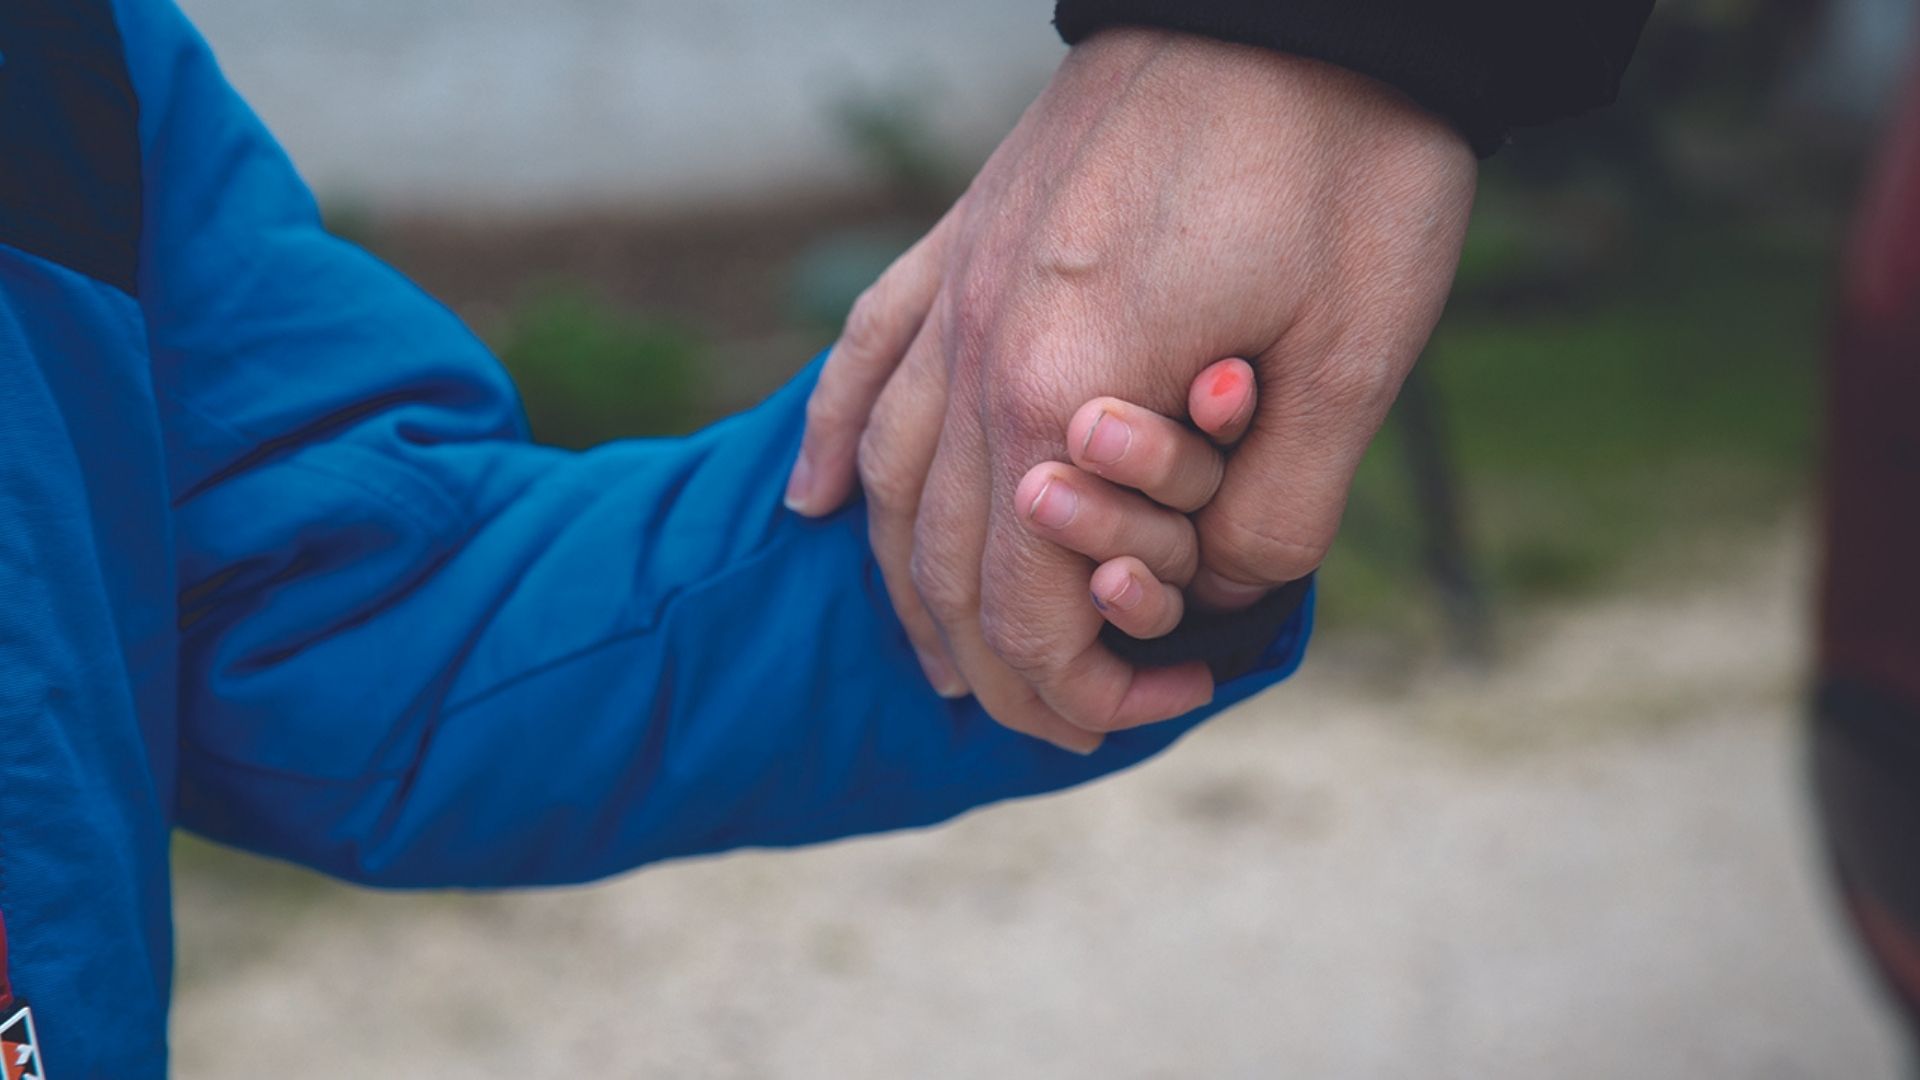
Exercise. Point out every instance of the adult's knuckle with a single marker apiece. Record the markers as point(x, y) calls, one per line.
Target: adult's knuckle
point(945, 592)
point(824, 414)
point(885, 483)
point(1014, 641)
point(1031, 399)
point(1253, 553)
point(1345, 385)
point(867, 332)
point(1212, 472)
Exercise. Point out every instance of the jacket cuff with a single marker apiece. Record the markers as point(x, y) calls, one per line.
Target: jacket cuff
point(1486, 67)
point(1231, 643)
point(1415, 48)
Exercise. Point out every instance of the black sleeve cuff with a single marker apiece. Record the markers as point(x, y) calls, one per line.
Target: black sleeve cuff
point(1231, 642)
point(1486, 65)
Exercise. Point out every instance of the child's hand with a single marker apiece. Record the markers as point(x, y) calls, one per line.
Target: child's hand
point(1124, 501)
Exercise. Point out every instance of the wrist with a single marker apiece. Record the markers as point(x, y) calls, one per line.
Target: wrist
point(1202, 80)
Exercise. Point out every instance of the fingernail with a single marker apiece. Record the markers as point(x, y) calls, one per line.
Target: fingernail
point(940, 676)
point(800, 485)
point(1107, 440)
point(1226, 381)
point(1126, 596)
point(1055, 506)
point(1084, 747)
point(1226, 592)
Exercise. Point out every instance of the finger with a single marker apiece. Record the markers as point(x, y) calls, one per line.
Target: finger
point(1140, 449)
point(1008, 697)
point(949, 537)
point(1034, 614)
point(1128, 595)
point(879, 329)
point(1087, 515)
point(1222, 399)
point(895, 454)
point(1280, 502)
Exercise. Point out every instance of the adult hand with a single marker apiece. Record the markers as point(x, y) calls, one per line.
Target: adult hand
point(1168, 200)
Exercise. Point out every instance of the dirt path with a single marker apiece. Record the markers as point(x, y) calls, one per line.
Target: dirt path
point(1592, 864)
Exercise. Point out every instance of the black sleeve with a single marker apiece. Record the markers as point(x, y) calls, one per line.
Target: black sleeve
point(1487, 65)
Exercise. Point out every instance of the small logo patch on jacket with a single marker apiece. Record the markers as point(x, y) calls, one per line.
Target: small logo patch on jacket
point(22, 1060)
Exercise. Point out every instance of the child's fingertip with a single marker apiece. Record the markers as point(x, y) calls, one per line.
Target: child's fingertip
point(1222, 397)
point(1114, 587)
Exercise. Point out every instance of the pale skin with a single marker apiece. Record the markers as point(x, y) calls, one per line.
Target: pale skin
point(1168, 200)
point(1123, 501)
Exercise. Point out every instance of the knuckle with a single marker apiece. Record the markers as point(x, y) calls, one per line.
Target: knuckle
point(1030, 401)
point(868, 329)
point(1348, 387)
point(1182, 558)
point(946, 594)
point(971, 318)
point(824, 416)
point(1251, 553)
point(1210, 474)
point(885, 484)
point(1015, 643)
point(1083, 701)
point(1164, 466)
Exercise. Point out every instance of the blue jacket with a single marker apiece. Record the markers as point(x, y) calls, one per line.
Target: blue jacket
point(278, 565)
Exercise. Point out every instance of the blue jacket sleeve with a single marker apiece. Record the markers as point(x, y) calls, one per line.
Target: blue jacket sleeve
point(419, 650)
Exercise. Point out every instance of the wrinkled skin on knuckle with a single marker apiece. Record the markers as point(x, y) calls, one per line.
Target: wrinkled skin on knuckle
point(1162, 469)
point(1338, 381)
point(824, 416)
point(1355, 390)
point(941, 582)
point(1256, 554)
point(865, 332)
point(1184, 559)
point(1027, 409)
point(886, 485)
point(1016, 642)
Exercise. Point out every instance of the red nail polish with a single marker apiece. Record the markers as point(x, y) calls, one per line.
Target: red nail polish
point(1226, 381)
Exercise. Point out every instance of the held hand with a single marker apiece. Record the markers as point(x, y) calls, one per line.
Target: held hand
point(1167, 201)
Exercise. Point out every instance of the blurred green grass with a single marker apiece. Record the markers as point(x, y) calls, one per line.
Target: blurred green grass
point(590, 371)
point(1671, 399)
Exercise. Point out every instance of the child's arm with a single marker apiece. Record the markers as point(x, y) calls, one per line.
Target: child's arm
point(417, 650)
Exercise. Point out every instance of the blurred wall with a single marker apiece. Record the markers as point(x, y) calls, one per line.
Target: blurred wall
point(503, 104)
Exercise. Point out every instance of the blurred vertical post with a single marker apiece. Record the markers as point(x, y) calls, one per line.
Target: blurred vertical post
point(1436, 493)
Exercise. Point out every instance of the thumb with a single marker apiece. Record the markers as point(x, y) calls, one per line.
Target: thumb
point(879, 329)
point(1285, 488)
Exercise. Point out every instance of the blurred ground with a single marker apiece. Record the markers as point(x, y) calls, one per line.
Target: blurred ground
point(1592, 863)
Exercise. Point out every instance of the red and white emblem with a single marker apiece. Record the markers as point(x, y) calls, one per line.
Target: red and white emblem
point(21, 1049)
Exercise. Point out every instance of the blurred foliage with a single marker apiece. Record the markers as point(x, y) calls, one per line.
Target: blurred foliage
point(590, 371)
point(832, 272)
point(1630, 360)
point(1673, 400)
point(893, 132)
